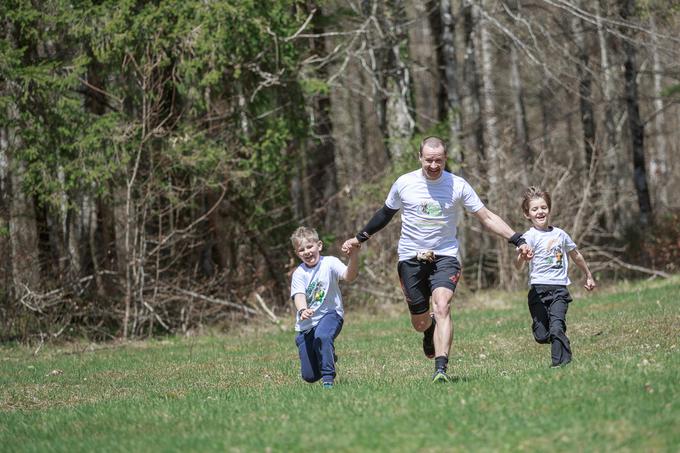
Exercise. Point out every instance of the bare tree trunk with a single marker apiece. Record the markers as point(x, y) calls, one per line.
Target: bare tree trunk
point(421, 47)
point(121, 216)
point(495, 153)
point(471, 77)
point(636, 128)
point(547, 101)
point(5, 248)
point(612, 160)
point(400, 124)
point(490, 119)
point(521, 125)
point(357, 104)
point(95, 103)
point(391, 77)
point(23, 231)
point(659, 168)
point(320, 171)
point(585, 93)
point(448, 60)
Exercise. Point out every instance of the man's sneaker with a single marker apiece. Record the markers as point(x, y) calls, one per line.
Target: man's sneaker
point(428, 340)
point(440, 376)
point(327, 385)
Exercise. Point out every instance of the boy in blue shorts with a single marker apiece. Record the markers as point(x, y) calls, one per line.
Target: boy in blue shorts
point(548, 275)
point(315, 291)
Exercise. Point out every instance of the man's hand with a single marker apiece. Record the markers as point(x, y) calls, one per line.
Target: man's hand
point(350, 244)
point(525, 252)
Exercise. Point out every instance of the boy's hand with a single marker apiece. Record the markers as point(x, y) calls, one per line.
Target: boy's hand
point(525, 252)
point(306, 314)
point(354, 249)
point(349, 245)
point(590, 283)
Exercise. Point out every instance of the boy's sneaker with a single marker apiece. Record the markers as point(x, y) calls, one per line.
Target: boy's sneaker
point(428, 340)
point(560, 365)
point(327, 385)
point(440, 376)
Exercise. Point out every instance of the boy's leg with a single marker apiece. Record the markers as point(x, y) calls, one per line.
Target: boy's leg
point(324, 336)
point(540, 317)
point(561, 348)
point(309, 361)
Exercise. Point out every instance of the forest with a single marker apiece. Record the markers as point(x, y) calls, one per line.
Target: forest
point(155, 156)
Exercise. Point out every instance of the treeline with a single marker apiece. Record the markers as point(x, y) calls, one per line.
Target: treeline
point(156, 156)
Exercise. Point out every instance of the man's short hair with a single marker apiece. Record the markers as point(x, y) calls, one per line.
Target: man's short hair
point(433, 142)
point(303, 233)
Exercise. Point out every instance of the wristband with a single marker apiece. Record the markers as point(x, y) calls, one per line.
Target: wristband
point(363, 236)
point(517, 240)
point(300, 312)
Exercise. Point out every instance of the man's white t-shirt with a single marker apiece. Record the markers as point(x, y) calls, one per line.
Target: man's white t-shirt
point(430, 211)
point(550, 263)
point(320, 286)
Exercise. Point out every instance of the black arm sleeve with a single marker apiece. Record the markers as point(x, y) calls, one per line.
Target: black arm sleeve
point(379, 220)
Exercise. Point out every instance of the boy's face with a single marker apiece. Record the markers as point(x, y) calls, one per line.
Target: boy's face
point(309, 251)
point(539, 214)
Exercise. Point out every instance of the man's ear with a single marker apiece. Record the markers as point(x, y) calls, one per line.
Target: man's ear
point(320, 245)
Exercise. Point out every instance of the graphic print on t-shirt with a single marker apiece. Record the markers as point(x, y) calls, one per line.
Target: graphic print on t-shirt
point(555, 255)
point(315, 294)
point(431, 207)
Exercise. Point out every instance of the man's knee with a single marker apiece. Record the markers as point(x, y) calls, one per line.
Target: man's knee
point(442, 309)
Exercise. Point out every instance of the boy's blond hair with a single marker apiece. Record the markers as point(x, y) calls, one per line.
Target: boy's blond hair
point(303, 233)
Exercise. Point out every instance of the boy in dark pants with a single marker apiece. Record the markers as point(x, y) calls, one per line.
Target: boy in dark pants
point(548, 275)
point(316, 294)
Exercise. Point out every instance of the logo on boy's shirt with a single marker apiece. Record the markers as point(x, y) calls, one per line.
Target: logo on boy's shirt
point(315, 294)
point(555, 258)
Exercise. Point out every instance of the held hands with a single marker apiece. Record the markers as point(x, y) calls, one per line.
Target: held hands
point(524, 252)
point(350, 246)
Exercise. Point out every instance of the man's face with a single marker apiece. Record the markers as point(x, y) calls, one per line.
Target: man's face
point(433, 161)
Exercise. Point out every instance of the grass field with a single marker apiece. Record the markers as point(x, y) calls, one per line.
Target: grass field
point(242, 392)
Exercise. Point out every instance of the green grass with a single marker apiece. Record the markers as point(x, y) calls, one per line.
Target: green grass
point(243, 392)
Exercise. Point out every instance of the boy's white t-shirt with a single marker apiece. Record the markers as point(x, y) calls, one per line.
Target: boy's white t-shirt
point(430, 211)
point(320, 286)
point(550, 263)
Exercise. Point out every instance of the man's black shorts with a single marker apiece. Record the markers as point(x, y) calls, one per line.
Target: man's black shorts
point(419, 279)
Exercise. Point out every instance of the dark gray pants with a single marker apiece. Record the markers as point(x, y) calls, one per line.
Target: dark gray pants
point(548, 305)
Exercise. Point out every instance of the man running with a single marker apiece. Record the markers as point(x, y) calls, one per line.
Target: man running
point(428, 265)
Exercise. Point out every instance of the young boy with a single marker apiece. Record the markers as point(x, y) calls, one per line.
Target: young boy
point(316, 294)
point(548, 268)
